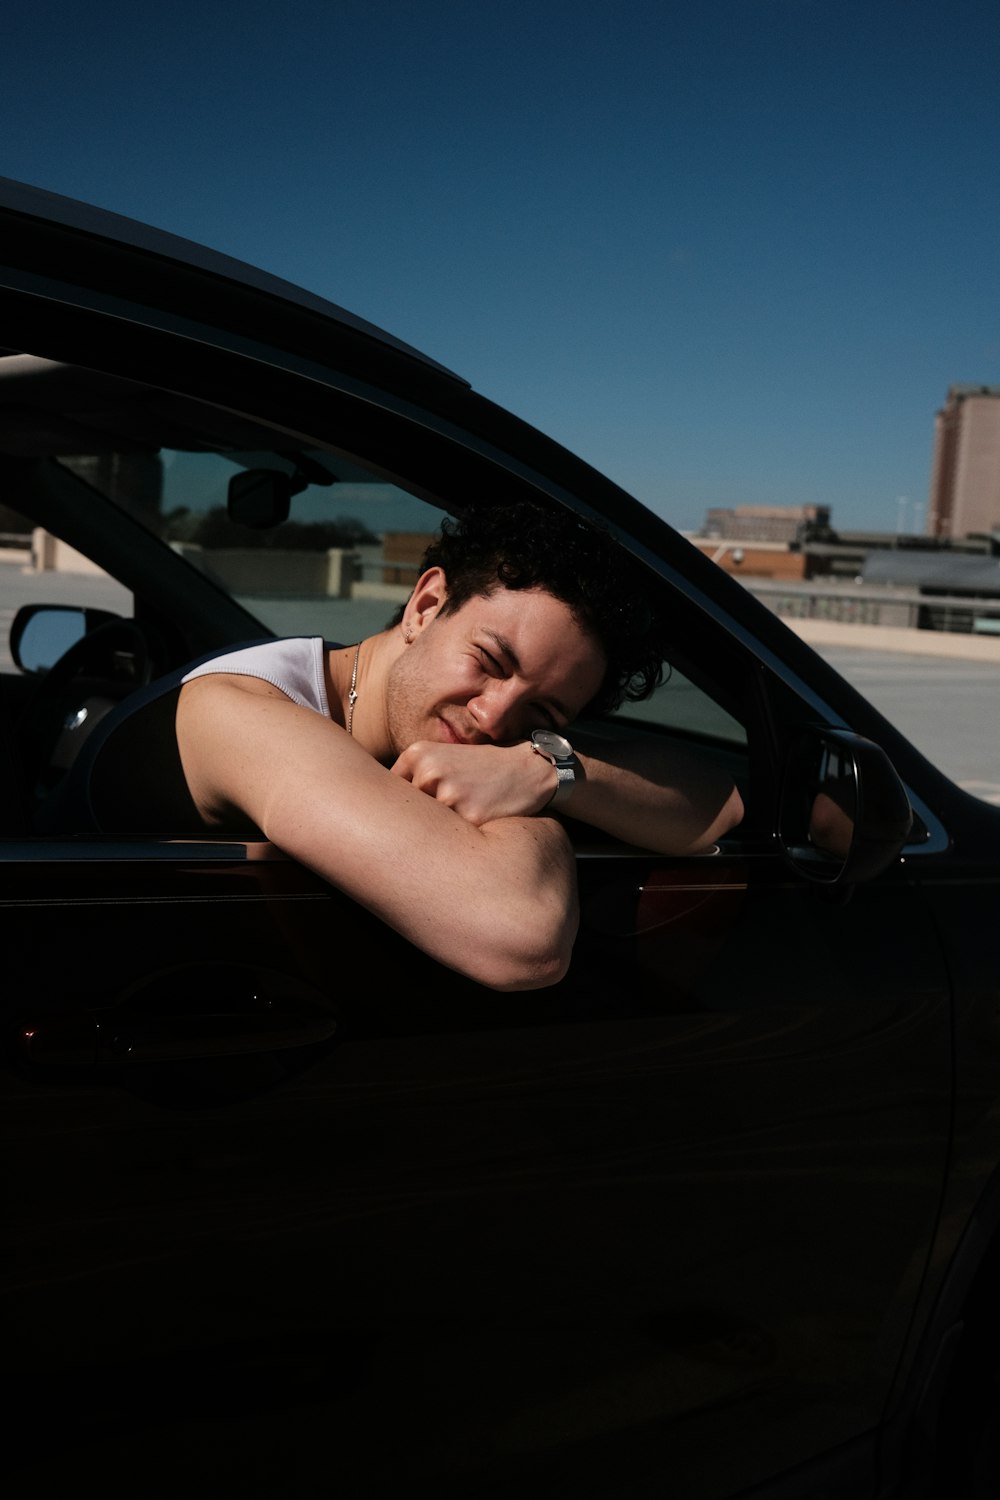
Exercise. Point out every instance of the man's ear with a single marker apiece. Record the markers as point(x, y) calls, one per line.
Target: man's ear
point(425, 602)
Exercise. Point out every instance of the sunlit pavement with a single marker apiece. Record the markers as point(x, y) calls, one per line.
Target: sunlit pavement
point(948, 707)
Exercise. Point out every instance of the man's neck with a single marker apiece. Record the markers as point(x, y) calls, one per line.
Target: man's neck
point(362, 669)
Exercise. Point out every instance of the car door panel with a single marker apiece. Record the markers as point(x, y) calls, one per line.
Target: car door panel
point(543, 1227)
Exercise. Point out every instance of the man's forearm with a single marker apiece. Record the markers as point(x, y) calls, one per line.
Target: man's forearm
point(656, 797)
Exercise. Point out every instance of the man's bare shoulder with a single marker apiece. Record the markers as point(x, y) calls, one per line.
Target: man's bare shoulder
point(211, 682)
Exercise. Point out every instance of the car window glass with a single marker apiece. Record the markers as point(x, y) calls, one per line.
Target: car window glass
point(679, 704)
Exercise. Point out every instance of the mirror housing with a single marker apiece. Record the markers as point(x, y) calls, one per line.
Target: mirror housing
point(262, 498)
point(259, 498)
point(844, 814)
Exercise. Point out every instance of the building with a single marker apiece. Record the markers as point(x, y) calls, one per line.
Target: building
point(762, 541)
point(765, 523)
point(856, 577)
point(965, 469)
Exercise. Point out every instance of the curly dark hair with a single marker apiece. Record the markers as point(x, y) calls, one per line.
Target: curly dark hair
point(523, 546)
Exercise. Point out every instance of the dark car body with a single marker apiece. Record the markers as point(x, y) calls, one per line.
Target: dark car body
point(293, 1210)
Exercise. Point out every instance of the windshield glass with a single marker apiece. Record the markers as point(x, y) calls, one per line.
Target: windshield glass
point(344, 557)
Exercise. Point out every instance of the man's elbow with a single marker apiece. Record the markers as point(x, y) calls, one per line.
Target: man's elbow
point(534, 957)
point(728, 816)
point(731, 814)
point(534, 974)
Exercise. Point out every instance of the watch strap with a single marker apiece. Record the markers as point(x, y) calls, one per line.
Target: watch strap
point(565, 769)
point(565, 782)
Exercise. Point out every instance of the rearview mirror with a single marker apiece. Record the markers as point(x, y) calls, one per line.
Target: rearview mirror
point(262, 498)
point(259, 498)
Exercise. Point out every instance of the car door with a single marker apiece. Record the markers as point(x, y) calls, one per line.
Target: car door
point(290, 1201)
point(276, 1177)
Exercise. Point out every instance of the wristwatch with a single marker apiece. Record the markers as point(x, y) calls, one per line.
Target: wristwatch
point(559, 751)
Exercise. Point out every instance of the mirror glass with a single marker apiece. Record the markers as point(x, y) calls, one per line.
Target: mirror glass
point(820, 806)
point(48, 635)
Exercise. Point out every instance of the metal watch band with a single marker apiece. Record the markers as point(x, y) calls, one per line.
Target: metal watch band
point(566, 780)
point(558, 751)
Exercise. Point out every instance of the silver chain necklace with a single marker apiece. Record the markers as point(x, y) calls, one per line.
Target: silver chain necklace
point(352, 696)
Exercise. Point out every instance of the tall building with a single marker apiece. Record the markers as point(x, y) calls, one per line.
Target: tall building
point(965, 469)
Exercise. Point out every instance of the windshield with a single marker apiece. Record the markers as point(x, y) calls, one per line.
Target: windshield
point(338, 565)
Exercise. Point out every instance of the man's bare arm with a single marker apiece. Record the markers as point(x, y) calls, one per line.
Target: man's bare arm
point(657, 797)
point(495, 901)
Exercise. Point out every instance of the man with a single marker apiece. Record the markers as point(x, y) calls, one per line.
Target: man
point(402, 768)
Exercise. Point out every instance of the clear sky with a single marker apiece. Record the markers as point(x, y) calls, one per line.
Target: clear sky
point(730, 252)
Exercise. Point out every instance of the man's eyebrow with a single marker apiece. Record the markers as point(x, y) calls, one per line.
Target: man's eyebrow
point(505, 646)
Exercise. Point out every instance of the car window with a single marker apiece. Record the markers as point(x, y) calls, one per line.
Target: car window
point(342, 562)
point(305, 539)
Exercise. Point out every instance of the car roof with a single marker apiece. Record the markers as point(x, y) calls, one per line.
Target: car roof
point(21, 201)
point(60, 255)
point(48, 408)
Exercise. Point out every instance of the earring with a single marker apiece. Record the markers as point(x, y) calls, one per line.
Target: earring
point(409, 635)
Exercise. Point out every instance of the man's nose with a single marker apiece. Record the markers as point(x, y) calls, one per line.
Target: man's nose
point(495, 713)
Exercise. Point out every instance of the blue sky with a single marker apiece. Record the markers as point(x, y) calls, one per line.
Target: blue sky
point(732, 253)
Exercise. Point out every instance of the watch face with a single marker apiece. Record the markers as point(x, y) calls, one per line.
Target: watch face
point(552, 743)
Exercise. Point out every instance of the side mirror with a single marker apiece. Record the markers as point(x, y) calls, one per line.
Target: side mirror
point(844, 814)
point(42, 633)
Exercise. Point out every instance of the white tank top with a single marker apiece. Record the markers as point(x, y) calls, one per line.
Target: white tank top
point(295, 665)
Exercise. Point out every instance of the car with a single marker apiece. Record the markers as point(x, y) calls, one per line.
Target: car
point(292, 1208)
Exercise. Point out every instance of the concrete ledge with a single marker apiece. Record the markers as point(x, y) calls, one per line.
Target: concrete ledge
point(393, 593)
point(894, 638)
point(275, 571)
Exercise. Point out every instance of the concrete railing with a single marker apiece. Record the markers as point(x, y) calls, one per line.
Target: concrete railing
point(272, 571)
point(854, 604)
point(50, 555)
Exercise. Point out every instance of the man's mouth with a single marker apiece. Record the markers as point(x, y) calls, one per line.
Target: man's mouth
point(455, 736)
point(451, 735)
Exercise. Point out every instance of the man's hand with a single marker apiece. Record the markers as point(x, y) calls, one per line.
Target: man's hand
point(481, 782)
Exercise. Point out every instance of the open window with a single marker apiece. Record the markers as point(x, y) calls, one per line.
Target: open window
point(172, 527)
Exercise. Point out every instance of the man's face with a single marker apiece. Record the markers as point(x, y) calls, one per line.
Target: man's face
point(492, 671)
